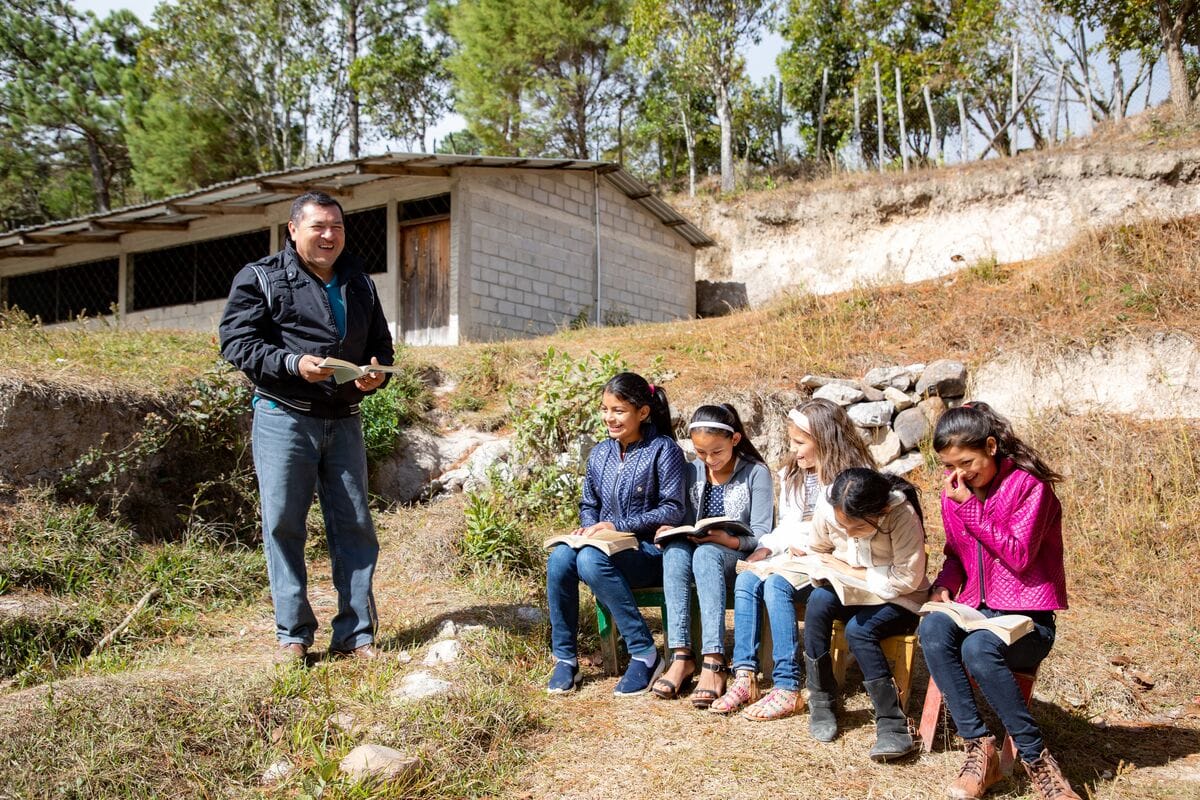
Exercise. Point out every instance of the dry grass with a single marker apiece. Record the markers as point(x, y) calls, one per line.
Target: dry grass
point(1131, 280)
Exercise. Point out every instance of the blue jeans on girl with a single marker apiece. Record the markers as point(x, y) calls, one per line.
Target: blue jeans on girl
point(866, 627)
point(711, 566)
point(612, 580)
point(779, 597)
point(949, 649)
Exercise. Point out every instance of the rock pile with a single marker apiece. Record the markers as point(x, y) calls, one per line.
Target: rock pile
point(895, 407)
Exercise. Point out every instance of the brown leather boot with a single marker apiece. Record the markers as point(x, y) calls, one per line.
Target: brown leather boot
point(979, 771)
point(1047, 779)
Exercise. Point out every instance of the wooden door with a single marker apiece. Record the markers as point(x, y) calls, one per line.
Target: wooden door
point(425, 281)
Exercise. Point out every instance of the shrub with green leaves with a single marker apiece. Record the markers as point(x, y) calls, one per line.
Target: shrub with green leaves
point(394, 407)
point(542, 491)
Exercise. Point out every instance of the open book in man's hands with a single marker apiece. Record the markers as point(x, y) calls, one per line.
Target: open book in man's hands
point(346, 371)
point(730, 525)
point(610, 542)
point(1009, 627)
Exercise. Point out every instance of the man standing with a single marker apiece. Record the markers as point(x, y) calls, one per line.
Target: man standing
point(285, 314)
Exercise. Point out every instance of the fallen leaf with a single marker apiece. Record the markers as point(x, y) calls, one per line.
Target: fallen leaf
point(1120, 661)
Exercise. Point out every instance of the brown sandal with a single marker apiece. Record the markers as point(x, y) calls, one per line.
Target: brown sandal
point(704, 698)
point(671, 690)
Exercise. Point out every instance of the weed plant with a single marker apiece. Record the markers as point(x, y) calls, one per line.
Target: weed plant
point(540, 489)
point(396, 406)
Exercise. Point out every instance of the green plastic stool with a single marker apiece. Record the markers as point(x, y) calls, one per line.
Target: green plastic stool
point(645, 598)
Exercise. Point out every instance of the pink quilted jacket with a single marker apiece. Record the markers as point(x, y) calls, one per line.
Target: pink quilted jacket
point(1013, 539)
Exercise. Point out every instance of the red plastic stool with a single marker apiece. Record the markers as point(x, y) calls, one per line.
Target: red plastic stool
point(933, 711)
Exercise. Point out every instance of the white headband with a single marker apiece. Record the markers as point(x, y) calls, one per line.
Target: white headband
point(721, 426)
point(800, 421)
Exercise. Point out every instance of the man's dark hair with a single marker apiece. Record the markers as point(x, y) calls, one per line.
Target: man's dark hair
point(312, 199)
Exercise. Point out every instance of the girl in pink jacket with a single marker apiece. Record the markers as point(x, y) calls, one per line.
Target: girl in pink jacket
point(1004, 555)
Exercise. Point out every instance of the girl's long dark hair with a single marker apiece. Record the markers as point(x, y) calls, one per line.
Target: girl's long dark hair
point(638, 392)
point(728, 415)
point(863, 493)
point(839, 446)
point(970, 426)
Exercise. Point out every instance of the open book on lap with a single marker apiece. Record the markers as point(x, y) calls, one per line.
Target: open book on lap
point(610, 542)
point(346, 371)
point(730, 525)
point(1009, 627)
point(794, 571)
point(851, 591)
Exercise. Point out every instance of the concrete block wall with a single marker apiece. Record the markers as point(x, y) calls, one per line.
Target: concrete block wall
point(530, 252)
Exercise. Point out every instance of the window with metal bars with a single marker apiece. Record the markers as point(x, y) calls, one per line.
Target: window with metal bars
point(425, 207)
point(193, 272)
point(60, 295)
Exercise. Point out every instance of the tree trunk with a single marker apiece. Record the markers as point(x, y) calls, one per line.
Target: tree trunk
point(351, 57)
point(690, 142)
point(725, 118)
point(779, 123)
point(99, 184)
point(1171, 28)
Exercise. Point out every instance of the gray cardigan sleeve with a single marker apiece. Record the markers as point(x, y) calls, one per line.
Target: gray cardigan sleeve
point(762, 506)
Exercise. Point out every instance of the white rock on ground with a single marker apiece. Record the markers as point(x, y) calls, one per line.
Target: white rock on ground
point(376, 761)
point(838, 393)
point(906, 463)
point(342, 721)
point(446, 651)
point(898, 398)
point(887, 451)
point(448, 630)
point(418, 686)
point(277, 772)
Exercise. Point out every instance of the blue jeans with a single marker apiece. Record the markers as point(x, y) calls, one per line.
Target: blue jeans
point(949, 649)
point(293, 455)
point(779, 597)
point(711, 566)
point(866, 627)
point(612, 580)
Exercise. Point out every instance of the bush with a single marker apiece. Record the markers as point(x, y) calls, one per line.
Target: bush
point(394, 407)
point(503, 518)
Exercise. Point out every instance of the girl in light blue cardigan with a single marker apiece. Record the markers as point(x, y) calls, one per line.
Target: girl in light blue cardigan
point(727, 479)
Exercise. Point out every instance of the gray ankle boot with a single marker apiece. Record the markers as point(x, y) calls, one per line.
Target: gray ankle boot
point(822, 691)
point(893, 737)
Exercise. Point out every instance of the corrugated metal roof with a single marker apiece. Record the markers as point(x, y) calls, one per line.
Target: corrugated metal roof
point(252, 194)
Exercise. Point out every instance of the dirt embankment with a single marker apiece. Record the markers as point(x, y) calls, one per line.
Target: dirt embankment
point(935, 222)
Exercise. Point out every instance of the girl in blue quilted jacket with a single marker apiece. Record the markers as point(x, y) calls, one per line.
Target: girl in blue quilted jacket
point(634, 482)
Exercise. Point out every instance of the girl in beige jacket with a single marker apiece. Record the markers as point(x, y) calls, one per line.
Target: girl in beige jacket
point(868, 532)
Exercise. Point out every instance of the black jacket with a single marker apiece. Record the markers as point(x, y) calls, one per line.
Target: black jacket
point(278, 311)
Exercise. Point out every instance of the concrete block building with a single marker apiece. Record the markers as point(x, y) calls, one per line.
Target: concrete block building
point(461, 247)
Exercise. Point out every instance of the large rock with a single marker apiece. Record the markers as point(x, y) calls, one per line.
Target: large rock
point(870, 393)
point(911, 426)
point(418, 686)
point(944, 378)
point(871, 415)
point(817, 381)
point(839, 393)
point(932, 408)
point(403, 476)
point(377, 762)
point(446, 651)
point(899, 399)
point(718, 298)
point(888, 451)
point(487, 455)
point(905, 463)
point(895, 376)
